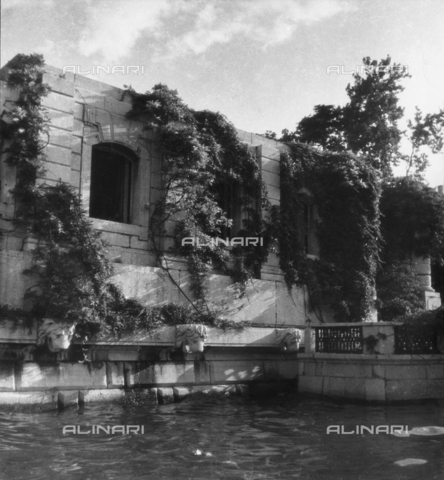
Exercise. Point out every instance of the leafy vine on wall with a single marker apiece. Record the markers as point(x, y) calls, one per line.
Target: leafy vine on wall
point(345, 191)
point(70, 265)
point(203, 163)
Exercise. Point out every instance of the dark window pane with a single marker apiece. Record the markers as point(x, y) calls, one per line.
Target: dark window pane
point(110, 195)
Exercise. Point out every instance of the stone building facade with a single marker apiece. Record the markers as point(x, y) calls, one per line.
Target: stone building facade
point(88, 123)
point(92, 145)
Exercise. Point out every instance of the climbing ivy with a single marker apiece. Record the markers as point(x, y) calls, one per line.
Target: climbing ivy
point(70, 264)
point(202, 160)
point(345, 191)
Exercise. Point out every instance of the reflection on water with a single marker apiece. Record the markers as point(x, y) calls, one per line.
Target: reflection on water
point(210, 437)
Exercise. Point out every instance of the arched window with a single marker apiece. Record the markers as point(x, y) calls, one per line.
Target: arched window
point(112, 177)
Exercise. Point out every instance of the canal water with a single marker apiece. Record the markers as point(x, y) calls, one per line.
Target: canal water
point(210, 437)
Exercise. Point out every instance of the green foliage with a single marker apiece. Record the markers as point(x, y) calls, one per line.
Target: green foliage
point(368, 124)
point(70, 260)
point(202, 160)
point(424, 331)
point(27, 123)
point(412, 225)
point(17, 316)
point(399, 292)
point(412, 221)
point(425, 131)
point(346, 193)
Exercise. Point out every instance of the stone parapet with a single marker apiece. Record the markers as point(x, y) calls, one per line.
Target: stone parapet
point(372, 378)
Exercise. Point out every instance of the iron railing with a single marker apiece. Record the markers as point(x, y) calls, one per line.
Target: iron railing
point(339, 339)
point(409, 343)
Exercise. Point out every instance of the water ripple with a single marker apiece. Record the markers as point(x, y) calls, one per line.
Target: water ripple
point(206, 437)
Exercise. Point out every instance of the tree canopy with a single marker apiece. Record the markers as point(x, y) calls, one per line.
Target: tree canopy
point(368, 124)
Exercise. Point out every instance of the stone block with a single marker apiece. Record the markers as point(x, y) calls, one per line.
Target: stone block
point(270, 152)
point(151, 286)
point(77, 127)
point(413, 372)
point(116, 93)
point(138, 244)
point(11, 332)
point(75, 179)
point(270, 370)
point(165, 395)
point(117, 354)
point(59, 102)
point(117, 107)
point(60, 119)
point(63, 375)
point(180, 393)
point(60, 155)
point(301, 368)
point(116, 239)
point(59, 84)
point(78, 110)
point(252, 337)
point(347, 370)
point(435, 370)
point(236, 371)
point(326, 382)
point(160, 373)
point(35, 376)
point(76, 161)
point(378, 371)
point(290, 305)
point(68, 398)
point(271, 178)
point(7, 378)
point(432, 299)
point(76, 145)
point(337, 387)
point(310, 385)
point(385, 346)
point(29, 401)
point(102, 395)
point(202, 372)
point(404, 390)
point(244, 136)
point(375, 389)
point(174, 373)
point(82, 375)
point(93, 85)
point(258, 304)
point(271, 274)
point(287, 369)
point(435, 388)
point(355, 388)
point(140, 373)
point(13, 284)
point(273, 192)
point(88, 97)
point(57, 172)
point(310, 369)
point(115, 374)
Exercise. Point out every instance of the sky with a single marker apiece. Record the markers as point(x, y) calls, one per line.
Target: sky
point(262, 63)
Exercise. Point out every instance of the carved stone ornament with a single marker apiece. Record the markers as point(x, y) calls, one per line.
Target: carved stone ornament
point(289, 339)
point(56, 336)
point(191, 337)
